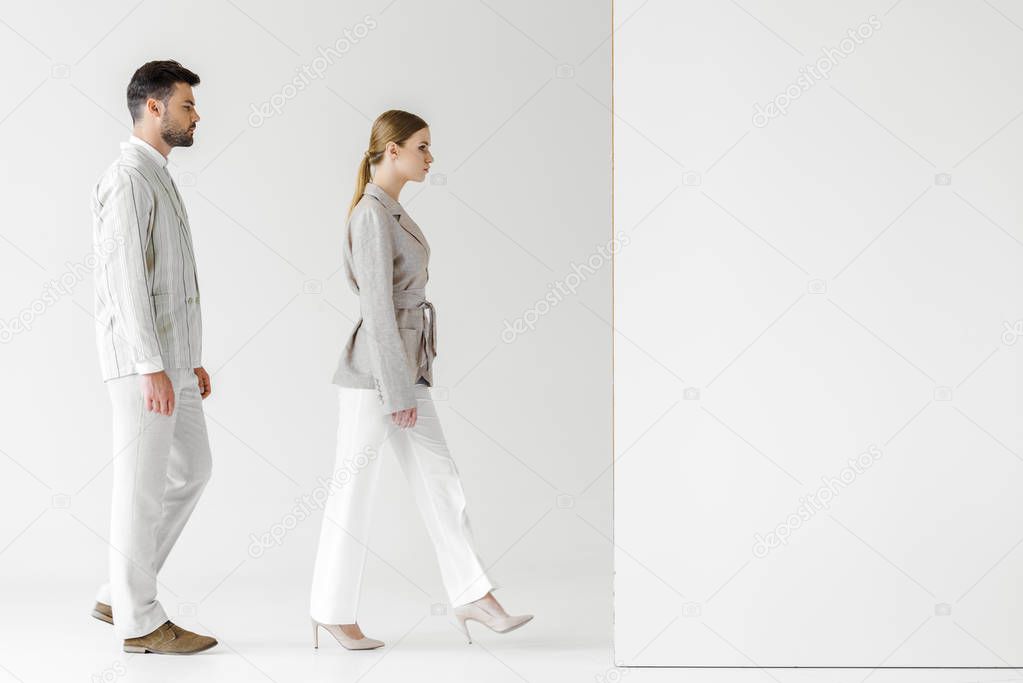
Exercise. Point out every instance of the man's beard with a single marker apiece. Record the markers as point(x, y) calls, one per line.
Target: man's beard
point(176, 137)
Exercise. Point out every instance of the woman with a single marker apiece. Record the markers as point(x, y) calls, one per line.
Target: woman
point(384, 378)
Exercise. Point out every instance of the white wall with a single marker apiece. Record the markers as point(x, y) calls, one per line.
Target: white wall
point(797, 290)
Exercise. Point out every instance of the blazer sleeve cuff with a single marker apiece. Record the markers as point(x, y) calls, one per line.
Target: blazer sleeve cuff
point(394, 401)
point(149, 365)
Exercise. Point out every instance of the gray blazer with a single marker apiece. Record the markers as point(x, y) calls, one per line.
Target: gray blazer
point(147, 291)
point(393, 344)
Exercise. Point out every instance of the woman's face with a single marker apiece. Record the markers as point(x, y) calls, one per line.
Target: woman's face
point(414, 157)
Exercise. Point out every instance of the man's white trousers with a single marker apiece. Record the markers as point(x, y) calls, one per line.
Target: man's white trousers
point(161, 466)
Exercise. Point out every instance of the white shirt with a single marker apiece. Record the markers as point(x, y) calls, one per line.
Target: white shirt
point(150, 150)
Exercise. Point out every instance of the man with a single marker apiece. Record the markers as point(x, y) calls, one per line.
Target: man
point(149, 336)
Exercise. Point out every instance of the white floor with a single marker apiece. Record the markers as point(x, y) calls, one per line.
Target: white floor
point(265, 636)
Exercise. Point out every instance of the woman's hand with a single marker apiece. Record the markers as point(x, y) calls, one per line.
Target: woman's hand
point(405, 418)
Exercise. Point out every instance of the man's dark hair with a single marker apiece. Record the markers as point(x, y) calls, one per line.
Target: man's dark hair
point(156, 80)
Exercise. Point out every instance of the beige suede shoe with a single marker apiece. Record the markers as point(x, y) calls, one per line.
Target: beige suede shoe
point(170, 639)
point(103, 612)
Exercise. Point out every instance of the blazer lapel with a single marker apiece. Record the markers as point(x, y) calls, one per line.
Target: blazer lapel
point(159, 177)
point(406, 222)
point(172, 193)
point(396, 210)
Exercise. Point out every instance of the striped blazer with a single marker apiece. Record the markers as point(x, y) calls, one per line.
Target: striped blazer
point(393, 344)
point(147, 292)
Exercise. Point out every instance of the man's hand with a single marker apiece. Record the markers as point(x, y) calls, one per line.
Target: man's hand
point(204, 381)
point(405, 418)
point(158, 393)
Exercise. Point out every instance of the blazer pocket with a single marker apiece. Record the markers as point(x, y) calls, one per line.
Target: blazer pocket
point(167, 313)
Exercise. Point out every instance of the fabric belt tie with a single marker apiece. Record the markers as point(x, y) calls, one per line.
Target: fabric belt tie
point(416, 298)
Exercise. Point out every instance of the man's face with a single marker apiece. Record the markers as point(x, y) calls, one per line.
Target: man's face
point(177, 125)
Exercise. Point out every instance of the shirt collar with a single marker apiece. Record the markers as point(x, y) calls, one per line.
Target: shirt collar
point(154, 153)
point(389, 202)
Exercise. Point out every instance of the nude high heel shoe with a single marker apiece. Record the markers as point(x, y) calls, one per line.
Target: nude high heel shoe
point(346, 641)
point(476, 611)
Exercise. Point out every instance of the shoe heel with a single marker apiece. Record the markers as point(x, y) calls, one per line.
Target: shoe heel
point(135, 649)
point(316, 635)
point(462, 624)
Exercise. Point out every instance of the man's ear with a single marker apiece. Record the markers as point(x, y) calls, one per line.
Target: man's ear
point(154, 106)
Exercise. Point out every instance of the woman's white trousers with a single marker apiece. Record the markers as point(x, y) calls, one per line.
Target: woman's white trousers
point(422, 452)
